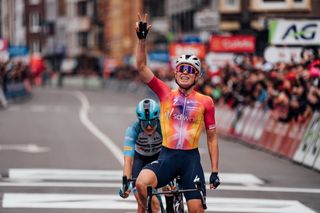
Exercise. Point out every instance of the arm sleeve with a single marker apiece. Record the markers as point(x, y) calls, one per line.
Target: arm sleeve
point(129, 140)
point(159, 87)
point(209, 116)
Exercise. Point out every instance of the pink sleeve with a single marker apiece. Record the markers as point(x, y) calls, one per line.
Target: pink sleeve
point(159, 87)
point(209, 116)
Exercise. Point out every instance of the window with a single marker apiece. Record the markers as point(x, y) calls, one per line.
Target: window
point(34, 20)
point(229, 6)
point(61, 7)
point(34, 1)
point(282, 5)
point(82, 8)
point(83, 39)
point(35, 46)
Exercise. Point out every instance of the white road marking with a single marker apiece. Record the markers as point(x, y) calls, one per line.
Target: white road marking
point(95, 201)
point(47, 178)
point(30, 148)
point(62, 108)
point(114, 149)
point(35, 183)
point(67, 174)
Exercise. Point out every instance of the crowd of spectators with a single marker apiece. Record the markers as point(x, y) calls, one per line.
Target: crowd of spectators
point(15, 82)
point(290, 90)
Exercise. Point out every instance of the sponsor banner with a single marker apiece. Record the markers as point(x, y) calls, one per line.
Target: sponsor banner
point(219, 59)
point(313, 151)
point(294, 32)
point(224, 118)
point(268, 136)
point(159, 56)
point(292, 139)
point(177, 49)
point(17, 51)
point(283, 54)
point(309, 139)
point(236, 44)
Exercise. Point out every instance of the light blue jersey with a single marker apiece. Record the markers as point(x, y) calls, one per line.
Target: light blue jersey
point(136, 140)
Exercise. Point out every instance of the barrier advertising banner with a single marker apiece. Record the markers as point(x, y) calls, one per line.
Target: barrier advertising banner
point(234, 44)
point(294, 32)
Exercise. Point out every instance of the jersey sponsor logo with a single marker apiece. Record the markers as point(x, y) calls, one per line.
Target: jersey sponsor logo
point(181, 117)
point(196, 179)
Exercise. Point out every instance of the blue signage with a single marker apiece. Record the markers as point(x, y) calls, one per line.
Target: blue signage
point(160, 56)
point(17, 51)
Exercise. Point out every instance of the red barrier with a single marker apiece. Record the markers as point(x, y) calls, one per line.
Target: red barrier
point(293, 138)
point(224, 118)
point(267, 134)
point(258, 127)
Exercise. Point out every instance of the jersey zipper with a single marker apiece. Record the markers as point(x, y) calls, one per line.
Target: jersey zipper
point(181, 123)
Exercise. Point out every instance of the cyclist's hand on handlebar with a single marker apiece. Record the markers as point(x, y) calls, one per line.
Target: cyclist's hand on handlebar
point(125, 189)
point(124, 194)
point(142, 27)
point(214, 180)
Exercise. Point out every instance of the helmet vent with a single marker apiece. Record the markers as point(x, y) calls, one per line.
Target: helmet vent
point(146, 106)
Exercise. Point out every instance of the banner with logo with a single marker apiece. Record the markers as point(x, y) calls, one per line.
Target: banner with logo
point(234, 44)
point(177, 49)
point(294, 32)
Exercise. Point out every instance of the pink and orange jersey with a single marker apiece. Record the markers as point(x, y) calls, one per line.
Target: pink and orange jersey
point(182, 117)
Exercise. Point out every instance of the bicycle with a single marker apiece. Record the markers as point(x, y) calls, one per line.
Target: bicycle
point(177, 192)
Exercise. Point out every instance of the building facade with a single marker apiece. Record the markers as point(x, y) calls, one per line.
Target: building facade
point(34, 17)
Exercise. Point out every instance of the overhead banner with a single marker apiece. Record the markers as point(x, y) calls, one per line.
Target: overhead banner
point(177, 49)
point(234, 44)
point(294, 32)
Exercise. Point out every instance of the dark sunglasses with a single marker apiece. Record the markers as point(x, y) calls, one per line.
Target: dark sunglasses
point(187, 68)
point(146, 123)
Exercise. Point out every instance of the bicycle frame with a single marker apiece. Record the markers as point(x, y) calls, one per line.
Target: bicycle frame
point(176, 192)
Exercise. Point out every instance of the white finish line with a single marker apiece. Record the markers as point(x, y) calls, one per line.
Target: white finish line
point(95, 201)
point(113, 175)
point(112, 179)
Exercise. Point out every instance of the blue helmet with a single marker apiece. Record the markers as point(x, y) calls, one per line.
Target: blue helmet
point(148, 109)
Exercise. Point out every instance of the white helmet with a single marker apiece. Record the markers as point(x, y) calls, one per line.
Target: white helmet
point(189, 59)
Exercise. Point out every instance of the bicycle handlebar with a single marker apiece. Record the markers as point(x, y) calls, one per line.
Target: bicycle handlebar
point(150, 193)
point(125, 185)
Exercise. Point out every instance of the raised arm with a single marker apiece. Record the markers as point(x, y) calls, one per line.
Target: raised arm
point(142, 29)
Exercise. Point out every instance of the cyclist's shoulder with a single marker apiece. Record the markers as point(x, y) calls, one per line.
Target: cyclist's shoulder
point(134, 127)
point(204, 99)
